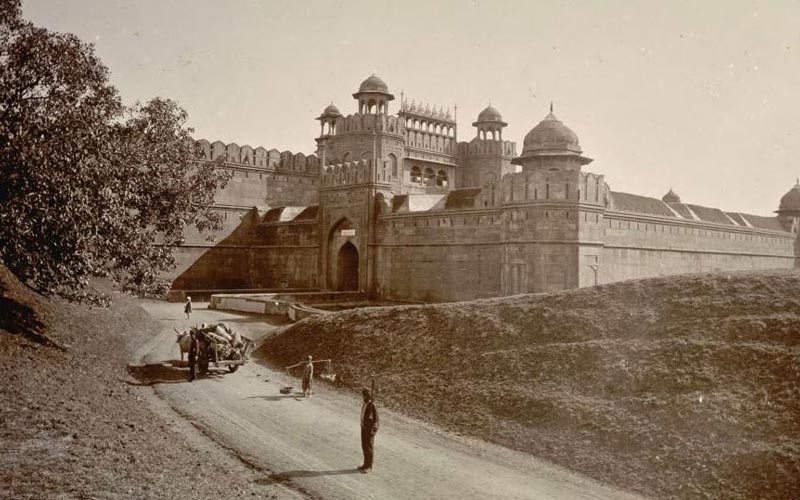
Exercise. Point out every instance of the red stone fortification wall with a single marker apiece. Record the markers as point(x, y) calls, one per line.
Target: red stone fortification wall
point(248, 255)
point(439, 257)
point(638, 247)
point(261, 188)
point(242, 256)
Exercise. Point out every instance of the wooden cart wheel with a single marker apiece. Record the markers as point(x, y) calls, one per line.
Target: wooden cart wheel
point(233, 368)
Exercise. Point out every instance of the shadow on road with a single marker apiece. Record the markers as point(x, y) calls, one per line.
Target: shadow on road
point(167, 372)
point(276, 398)
point(158, 373)
point(280, 477)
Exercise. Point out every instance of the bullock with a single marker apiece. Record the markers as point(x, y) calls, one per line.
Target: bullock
point(184, 341)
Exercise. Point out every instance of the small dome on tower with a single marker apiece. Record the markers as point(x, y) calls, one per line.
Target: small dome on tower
point(490, 115)
point(671, 197)
point(331, 110)
point(790, 202)
point(551, 134)
point(551, 138)
point(373, 84)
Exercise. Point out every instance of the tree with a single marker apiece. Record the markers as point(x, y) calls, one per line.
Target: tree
point(89, 187)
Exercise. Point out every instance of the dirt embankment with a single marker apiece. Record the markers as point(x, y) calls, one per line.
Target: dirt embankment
point(679, 387)
point(73, 424)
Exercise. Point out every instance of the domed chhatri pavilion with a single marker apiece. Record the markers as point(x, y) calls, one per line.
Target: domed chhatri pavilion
point(396, 206)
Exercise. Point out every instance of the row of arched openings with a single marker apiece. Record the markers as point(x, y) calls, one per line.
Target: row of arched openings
point(428, 177)
point(431, 127)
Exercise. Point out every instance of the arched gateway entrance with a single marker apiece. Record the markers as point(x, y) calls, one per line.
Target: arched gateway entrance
point(347, 272)
point(343, 257)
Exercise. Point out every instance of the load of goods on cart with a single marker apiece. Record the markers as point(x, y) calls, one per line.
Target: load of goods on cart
point(218, 345)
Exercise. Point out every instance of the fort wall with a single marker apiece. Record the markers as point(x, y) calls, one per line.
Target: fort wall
point(440, 256)
point(249, 254)
point(402, 210)
point(637, 246)
point(554, 232)
point(262, 177)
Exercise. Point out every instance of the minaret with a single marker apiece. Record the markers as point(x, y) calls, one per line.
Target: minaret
point(373, 96)
point(486, 158)
point(327, 123)
point(490, 124)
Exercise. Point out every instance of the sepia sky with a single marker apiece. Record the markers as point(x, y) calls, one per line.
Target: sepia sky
point(700, 96)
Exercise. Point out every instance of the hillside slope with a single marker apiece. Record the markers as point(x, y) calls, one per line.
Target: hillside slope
point(684, 387)
point(73, 424)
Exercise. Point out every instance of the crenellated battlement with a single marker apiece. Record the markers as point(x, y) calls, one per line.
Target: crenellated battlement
point(582, 187)
point(259, 157)
point(363, 122)
point(483, 147)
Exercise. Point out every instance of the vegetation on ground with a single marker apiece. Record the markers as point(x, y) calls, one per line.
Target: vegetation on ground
point(90, 187)
point(74, 424)
point(677, 387)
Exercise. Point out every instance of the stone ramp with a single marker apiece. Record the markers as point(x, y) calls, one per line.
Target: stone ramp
point(295, 306)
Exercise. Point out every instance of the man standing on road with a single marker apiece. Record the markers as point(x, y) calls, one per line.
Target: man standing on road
point(187, 309)
point(194, 347)
point(369, 427)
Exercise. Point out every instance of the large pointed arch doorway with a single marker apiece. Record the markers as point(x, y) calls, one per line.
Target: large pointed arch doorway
point(347, 268)
point(343, 257)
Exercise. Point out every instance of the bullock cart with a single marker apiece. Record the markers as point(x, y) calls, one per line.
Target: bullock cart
point(220, 346)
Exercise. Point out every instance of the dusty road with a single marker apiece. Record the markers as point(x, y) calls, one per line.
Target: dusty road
point(311, 445)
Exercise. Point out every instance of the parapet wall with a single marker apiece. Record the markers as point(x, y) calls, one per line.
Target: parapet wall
point(259, 157)
point(262, 177)
point(583, 187)
point(484, 147)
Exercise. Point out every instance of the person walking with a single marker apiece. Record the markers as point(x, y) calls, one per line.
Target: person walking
point(369, 427)
point(188, 307)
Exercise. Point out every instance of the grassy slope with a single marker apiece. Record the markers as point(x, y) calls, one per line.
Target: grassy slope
point(72, 425)
point(684, 386)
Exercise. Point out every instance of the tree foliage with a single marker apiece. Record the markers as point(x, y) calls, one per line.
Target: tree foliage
point(89, 187)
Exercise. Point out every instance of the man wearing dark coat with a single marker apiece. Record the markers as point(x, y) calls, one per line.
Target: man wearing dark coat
point(369, 427)
point(194, 347)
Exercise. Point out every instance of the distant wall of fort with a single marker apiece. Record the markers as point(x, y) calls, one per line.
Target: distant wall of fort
point(637, 247)
point(554, 231)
